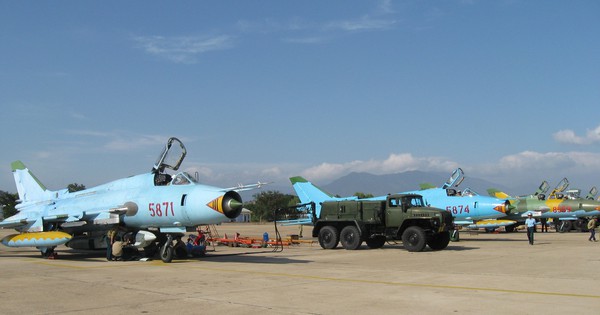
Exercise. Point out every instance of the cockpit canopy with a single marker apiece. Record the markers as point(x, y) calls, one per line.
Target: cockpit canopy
point(171, 156)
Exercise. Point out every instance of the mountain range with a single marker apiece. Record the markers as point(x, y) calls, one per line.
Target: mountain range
point(399, 182)
point(389, 183)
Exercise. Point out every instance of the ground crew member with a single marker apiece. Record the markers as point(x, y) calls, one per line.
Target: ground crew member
point(111, 236)
point(592, 227)
point(530, 223)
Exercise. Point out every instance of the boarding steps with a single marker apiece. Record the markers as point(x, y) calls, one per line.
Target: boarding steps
point(212, 235)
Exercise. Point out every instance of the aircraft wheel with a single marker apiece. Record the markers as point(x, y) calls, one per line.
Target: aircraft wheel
point(564, 226)
point(376, 241)
point(414, 239)
point(350, 237)
point(510, 228)
point(581, 225)
point(166, 250)
point(455, 236)
point(439, 241)
point(49, 253)
point(328, 237)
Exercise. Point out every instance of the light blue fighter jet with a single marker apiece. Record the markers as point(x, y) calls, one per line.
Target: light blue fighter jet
point(469, 209)
point(155, 207)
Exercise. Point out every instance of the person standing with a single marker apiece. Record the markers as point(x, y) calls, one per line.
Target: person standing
point(111, 236)
point(530, 223)
point(592, 227)
point(544, 223)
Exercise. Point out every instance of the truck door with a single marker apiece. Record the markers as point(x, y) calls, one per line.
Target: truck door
point(395, 212)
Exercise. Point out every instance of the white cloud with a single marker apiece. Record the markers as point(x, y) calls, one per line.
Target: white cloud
point(363, 23)
point(378, 20)
point(528, 165)
point(122, 140)
point(124, 143)
point(569, 137)
point(395, 163)
point(77, 116)
point(183, 49)
point(306, 40)
point(529, 160)
point(385, 7)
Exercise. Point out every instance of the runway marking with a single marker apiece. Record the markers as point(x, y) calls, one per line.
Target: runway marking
point(437, 286)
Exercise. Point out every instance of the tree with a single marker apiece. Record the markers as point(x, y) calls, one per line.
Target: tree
point(362, 195)
point(75, 187)
point(266, 202)
point(8, 202)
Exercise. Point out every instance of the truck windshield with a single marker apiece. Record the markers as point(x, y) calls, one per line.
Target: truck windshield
point(415, 201)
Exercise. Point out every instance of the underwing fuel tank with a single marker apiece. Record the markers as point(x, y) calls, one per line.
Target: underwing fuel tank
point(36, 239)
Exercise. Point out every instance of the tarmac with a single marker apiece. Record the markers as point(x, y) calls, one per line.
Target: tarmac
point(482, 273)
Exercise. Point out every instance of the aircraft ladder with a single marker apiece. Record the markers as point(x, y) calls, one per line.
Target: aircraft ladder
point(211, 234)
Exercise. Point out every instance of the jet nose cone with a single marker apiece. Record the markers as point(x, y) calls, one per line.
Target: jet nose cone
point(234, 204)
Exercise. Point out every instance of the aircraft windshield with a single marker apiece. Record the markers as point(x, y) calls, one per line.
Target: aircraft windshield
point(183, 178)
point(573, 194)
point(469, 192)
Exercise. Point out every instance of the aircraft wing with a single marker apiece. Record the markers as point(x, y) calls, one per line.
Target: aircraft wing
point(306, 221)
point(241, 187)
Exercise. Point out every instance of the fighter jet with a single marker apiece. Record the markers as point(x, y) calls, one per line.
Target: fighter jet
point(469, 209)
point(156, 207)
point(565, 206)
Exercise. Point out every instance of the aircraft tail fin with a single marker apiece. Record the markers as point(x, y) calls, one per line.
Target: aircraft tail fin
point(307, 192)
point(498, 194)
point(28, 186)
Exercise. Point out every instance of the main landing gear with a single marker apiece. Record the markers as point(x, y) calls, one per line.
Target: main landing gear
point(173, 245)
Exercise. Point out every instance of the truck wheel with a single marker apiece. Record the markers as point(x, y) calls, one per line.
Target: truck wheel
point(413, 239)
point(328, 237)
point(350, 237)
point(439, 241)
point(376, 241)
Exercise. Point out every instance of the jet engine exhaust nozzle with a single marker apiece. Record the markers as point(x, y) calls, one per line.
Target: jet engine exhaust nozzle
point(504, 208)
point(229, 204)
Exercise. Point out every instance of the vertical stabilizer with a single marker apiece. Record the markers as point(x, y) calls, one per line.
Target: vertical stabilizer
point(28, 186)
point(307, 192)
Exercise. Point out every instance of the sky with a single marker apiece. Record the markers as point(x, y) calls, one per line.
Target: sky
point(508, 90)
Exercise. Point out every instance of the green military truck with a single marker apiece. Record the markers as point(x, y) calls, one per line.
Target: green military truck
point(399, 217)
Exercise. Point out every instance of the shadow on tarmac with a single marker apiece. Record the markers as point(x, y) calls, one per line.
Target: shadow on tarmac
point(100, 255)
